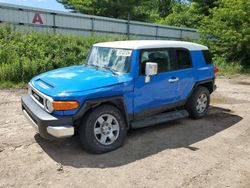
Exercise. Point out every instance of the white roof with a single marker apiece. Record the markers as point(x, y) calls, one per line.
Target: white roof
point(145, 44)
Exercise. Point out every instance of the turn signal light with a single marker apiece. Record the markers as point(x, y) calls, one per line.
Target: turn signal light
point(65, 105)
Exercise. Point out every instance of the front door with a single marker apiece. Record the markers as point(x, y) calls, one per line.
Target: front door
point(160, 91)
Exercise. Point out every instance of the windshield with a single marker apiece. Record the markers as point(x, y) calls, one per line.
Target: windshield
point(113, 59)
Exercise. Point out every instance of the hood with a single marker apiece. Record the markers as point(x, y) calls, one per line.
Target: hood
point(75, 79)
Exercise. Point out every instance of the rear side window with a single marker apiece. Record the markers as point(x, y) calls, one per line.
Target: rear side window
point(183, 59)
point(207, 56)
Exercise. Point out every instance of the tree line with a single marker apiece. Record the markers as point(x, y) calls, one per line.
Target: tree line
point(224, 25)
point(140, 10)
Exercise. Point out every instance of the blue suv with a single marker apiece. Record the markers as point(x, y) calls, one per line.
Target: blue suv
point(122, 85)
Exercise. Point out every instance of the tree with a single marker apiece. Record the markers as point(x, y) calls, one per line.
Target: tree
point(164, 7)
point(203, 6)
point(187, 13)
point(183, 15)
point(112, 8)
point(227, 30)
point(141, 10)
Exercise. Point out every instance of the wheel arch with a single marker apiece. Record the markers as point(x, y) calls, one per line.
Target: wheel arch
point(89, 105)
point(209, 84)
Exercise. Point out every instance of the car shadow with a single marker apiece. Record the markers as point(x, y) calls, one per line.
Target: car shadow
point(143, 142)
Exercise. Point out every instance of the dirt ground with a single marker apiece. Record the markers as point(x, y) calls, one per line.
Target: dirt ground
point(211, 152)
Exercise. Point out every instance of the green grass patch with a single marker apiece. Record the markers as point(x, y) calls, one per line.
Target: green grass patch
point(8, 85)
point(230, 68)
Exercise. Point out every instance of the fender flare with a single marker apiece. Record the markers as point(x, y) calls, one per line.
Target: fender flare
point(202, 82)
point(117, 101)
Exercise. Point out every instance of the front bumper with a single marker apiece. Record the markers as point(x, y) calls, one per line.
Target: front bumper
point(47, 125)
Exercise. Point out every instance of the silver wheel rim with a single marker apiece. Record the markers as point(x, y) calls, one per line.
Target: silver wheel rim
point(106, 129)
point(201, 104)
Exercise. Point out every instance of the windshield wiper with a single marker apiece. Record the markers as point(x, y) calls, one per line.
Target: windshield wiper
point(92, 65)
point(110, 69)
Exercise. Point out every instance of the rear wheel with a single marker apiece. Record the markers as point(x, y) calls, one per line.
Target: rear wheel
point(103, 129)
point(198, 103)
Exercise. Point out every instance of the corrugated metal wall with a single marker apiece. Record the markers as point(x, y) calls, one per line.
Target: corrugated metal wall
point(80, 24)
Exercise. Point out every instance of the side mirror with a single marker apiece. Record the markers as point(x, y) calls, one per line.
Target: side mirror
point(151, 70)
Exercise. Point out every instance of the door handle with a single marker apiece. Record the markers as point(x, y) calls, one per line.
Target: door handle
point(173, 79)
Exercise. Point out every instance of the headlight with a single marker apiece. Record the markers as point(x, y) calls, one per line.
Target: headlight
point(49, 105)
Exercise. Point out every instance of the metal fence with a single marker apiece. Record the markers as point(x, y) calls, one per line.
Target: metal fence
point(23, 18)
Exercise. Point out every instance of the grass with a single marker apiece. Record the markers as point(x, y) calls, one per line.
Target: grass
point(12, 85)
point(230, 68)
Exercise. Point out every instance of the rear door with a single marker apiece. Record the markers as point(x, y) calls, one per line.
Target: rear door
point(184, 72)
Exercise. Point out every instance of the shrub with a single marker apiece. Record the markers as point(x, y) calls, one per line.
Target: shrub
point(26, 54)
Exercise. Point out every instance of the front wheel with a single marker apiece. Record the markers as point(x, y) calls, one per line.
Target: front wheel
point(103, 129)
point(198, 103)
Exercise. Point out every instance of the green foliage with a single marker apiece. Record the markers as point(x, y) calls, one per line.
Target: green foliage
point(203, 6)
point(112, 8)
point(24, 55)
point(173, 12)
point(227, 31)
point(139, 10)
point(165, 7)
point(187, 13)
point(8, 84)
point(224, 26)
point(229, 68)
point(183, 15)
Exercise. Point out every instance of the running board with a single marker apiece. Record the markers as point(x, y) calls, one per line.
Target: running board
point(160, 118)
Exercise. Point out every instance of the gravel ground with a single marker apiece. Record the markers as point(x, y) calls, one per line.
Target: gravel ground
point(211, 152)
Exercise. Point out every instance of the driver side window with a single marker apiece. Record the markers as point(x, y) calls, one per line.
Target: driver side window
point(160, 56)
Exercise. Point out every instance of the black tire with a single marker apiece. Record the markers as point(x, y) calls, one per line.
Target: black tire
point(88, 138)
point(192, 103)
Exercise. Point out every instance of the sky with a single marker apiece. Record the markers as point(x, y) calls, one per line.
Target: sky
point(45, 4)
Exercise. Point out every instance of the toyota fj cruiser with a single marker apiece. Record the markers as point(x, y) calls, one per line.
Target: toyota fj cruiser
point(122, 85)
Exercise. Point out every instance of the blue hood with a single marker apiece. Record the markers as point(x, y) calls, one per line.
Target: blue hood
point(75, 79)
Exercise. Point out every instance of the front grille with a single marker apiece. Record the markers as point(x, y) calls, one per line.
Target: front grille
point(37, 97)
